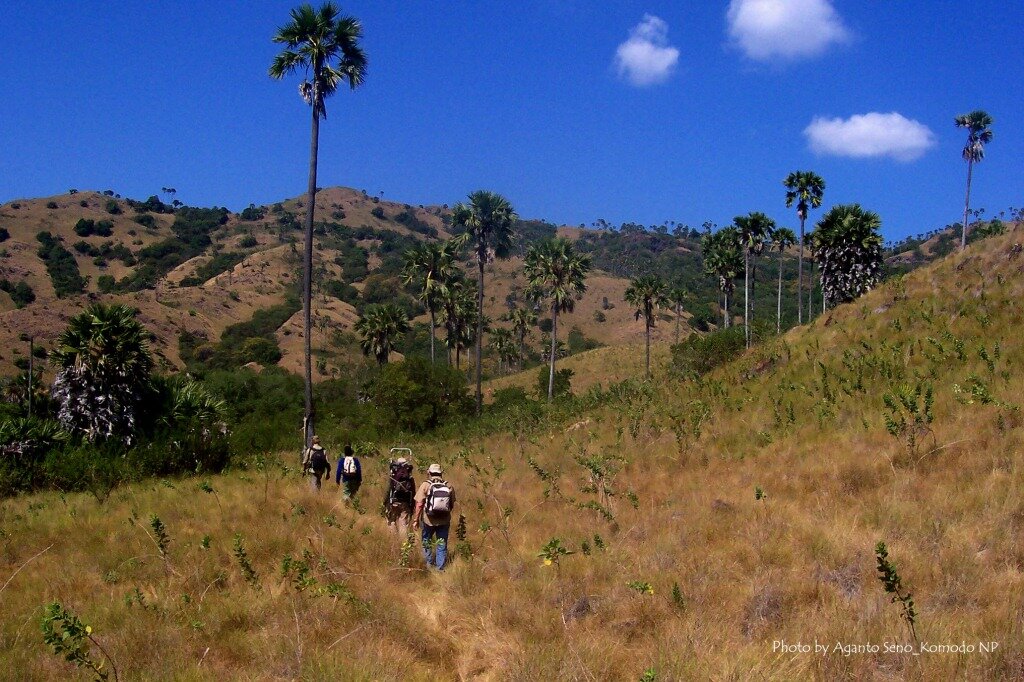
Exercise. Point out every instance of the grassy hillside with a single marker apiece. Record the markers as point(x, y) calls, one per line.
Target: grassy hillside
point(707, 518)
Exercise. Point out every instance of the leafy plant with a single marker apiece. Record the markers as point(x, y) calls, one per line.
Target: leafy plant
point(909, 414)
point(640, 587)
point(892, 583)
point(248, 572)
point(553, 551)
point(69, 637)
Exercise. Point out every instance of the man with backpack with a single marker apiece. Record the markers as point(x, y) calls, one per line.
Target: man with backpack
point(435, 501)
point(350, 473)
point(399, 495)
point(315, 463)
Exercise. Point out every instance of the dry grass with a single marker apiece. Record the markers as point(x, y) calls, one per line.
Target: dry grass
point(796, 566)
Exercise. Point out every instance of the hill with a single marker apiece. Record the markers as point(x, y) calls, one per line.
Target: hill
point(690, 528)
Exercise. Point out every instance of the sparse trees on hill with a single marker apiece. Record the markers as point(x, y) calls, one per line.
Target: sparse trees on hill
point(752, 230)
point(325, 45)
point(647, 294)
point(557, 273)
point(487, 219)
point(379, 328)
point(848, 248)
point(430, 266)
point(978, 135)
point(782, 239)
point(104, 368)
point(806, 188)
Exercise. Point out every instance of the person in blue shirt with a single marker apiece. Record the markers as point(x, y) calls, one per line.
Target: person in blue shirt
point(350, 473)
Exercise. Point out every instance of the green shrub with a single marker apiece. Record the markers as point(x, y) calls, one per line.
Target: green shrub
point(112, 207)
point(259, 349)
point(342, 291)
point(21, 293)
point(61, 266)
point(563, 382)
point(248, 241)
point(415, 396)
point(51, 205)
point(699, 354)
point(378, 212)
point(84, 227)
point(146, 220)
point(252, 212)
point(106, 284)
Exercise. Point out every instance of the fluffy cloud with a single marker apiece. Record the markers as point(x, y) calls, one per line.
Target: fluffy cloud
point(784, 29)
point(646, 57)
point(870, 135)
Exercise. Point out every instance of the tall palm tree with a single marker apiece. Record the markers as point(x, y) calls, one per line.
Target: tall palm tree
point(487, 219)
point(523, 321)
point(782, 239)
point(722, 260)
point(558, 273)
point(647, 294)
point(978, 135)
point(379, 329)
point(677, 296)
point(806, 188)
point(753, 230)
point(459, 309)
point(104, 370)
point(848, 247)
point(503, 343)
point(325, 45)
point(431, 266)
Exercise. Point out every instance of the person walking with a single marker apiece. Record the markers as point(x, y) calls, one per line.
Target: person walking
point(350, 474)
point(316, 464)
point(435, 501)
point(399, 496)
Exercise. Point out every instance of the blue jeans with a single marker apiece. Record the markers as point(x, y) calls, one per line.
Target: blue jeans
point(440, 535)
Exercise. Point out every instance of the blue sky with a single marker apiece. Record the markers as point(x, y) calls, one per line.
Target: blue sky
point(688, 111)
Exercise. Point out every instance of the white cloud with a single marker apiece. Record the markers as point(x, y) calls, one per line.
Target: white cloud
point(646, 58)
point(784, 29)
point(870, 135)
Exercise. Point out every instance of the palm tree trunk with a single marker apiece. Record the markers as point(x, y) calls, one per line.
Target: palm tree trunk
point(728, 322)
point(309, 428)
point(746, 296)
point(810, 291)
point(679, 314)
point(778, 314)
point(554, 345)
point(647, 363)
point(800, 275)
point(431, 336)
point(967, 204)
point(480, 334)
point(522, 349)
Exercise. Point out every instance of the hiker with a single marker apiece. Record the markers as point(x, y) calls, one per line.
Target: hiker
point(435, 501)
point(316, 464)
point(350, 474)
point(399, 495)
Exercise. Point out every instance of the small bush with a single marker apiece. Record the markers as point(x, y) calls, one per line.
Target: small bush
point(698, 355)
point(248, 242)
point(112, 207)
point(51, 205)
point(378, 212)
point(21, 293)
point(414, 395)
point(562, 386)
point(146, 220)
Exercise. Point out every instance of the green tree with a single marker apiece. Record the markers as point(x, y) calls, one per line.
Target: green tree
point(722, 260)
point(523, 321)
point(978, 135)
point(503, 343)
point(677, 296)
point(647, 294)
point(848, 248)
point(430, 266)
point(806, 188)
point(558, 273)
point(753, 230)
point(459, 307)
point(782, 239)
point(487, 220)
point(325, 45)
point(379, 327)
point(103, 372)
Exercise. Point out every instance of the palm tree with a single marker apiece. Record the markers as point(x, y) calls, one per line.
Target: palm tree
point(558, 273)
point(978, 135)
point(104, 372)
point(504, 345)
point(806, 188)
point(487, 219)
point(722, 260)
point(459, 308)
point(325, 45)
point(782, 239)
point(379, 328)
point(752, 230)
point(647, 293)
point(523, 321)
point(677, 296)
point(848, 248)
point(431, 266)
